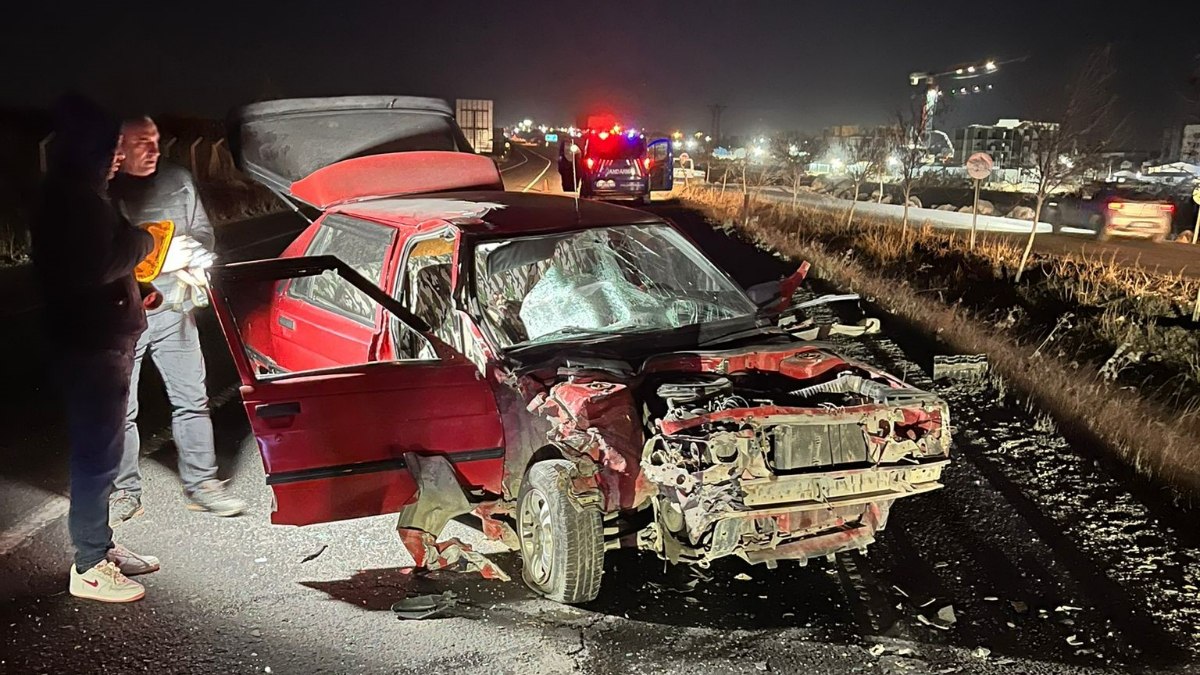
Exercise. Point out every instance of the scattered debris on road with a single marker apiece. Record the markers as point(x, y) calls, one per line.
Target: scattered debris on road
point(314, 555)
point(424, 606)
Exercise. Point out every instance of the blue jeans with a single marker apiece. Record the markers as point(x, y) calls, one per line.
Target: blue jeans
point(95, 384)
point(173, 341)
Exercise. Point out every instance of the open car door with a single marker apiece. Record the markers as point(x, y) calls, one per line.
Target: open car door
point(662, 164)
point(333, 441)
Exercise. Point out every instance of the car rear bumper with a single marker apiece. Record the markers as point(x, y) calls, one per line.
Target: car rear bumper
point(618, 188)
point(1134, 226)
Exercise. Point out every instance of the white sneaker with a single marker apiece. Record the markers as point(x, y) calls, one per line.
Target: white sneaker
point(105, 583)
point(131, 563)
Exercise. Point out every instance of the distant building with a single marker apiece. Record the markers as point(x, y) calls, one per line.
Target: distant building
point(1117, 163)
point(1181, 144)
point(1172, 141)
point(1012, 143)
point(844, 141)
point(1189, 144)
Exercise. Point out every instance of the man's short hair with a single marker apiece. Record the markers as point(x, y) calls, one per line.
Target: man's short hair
point(140, 118)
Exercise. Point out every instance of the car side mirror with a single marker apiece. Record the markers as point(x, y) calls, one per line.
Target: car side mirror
point(761, 294)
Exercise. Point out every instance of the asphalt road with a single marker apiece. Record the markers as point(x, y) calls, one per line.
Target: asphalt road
point(1166, 257)
point(1049, 561)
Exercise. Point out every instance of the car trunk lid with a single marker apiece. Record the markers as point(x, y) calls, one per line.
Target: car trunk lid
point(327, 151)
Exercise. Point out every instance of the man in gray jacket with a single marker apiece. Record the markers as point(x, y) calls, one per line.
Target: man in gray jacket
point(147, 192)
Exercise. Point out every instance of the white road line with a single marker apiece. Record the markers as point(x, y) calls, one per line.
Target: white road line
point(47, 512)
point(524, 161)
point(539, 176)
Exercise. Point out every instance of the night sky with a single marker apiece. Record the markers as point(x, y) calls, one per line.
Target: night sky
point(776, 65)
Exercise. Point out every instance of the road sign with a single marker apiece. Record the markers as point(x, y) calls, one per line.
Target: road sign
point(1196, 194)
point(979, 165)
point(551, 138)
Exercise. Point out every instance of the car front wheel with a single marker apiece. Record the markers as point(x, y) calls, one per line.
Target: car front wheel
point(562, 545)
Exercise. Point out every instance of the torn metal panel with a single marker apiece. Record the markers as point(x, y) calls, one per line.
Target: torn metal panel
point(440, 497)
point(595, 420)
point(451, 554)
point(492, 517)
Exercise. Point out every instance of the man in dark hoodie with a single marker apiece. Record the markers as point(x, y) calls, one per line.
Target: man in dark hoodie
point(84, 254)
point(147, 191)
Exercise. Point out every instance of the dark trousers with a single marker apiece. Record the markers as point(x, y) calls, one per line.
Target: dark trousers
point(95, 384)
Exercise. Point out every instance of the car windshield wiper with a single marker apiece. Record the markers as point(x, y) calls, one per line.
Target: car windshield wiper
point(573, 332)
point(737, 334)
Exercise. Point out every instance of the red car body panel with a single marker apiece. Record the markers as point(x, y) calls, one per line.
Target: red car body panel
point(337, 452)
point(393, 174)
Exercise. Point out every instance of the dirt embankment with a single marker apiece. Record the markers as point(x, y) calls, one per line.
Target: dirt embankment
point(1108, 350)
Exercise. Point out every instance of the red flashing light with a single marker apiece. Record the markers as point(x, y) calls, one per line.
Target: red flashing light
point(603, 135)
point(591, 163)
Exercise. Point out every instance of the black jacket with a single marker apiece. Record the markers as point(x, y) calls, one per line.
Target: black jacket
point(84, 253)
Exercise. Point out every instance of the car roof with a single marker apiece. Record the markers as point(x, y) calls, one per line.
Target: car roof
point(496, 213)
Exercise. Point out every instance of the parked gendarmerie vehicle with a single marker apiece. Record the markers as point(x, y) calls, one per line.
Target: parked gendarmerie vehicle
point(576, 374)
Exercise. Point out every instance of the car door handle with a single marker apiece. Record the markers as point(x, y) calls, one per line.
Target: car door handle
point(270, 411)
point(286, 322)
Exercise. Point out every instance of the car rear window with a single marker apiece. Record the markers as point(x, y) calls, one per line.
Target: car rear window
point(361, 245)
point(617, 147)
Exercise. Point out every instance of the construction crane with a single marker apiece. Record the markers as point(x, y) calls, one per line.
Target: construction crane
point(958, 74)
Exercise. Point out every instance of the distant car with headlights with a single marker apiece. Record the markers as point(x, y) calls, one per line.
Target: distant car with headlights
point(577, 375)
point(1112, 212)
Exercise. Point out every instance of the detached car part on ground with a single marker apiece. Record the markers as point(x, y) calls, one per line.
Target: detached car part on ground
point(577, 375)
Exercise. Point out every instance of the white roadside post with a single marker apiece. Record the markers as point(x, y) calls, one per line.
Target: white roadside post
point(979, 167)
point(1196, 198)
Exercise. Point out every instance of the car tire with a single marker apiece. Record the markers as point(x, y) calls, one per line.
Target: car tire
point(562, 546)
point(1102, 234)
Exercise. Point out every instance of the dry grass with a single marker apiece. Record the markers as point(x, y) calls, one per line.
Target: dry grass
point(1037, 338)
point(13, 245)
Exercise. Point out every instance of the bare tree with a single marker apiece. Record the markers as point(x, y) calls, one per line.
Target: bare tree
point(792, 153)
point(908, 148)
point(1063, 151)
point(864, 159)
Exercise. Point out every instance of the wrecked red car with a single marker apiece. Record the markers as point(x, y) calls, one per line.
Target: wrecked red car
point(577, 375)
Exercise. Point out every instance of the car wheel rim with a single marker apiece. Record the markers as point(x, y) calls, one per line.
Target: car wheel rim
point(537, 537)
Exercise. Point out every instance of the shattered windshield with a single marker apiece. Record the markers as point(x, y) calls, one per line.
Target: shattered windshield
point(604, 281)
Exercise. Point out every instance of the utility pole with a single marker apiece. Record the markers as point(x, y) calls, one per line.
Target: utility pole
point(716, 109)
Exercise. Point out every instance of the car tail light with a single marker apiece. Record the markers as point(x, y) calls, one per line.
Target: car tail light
point(1116, 206)
point(591, 163)
point(647, 162)
point(1167, 208)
